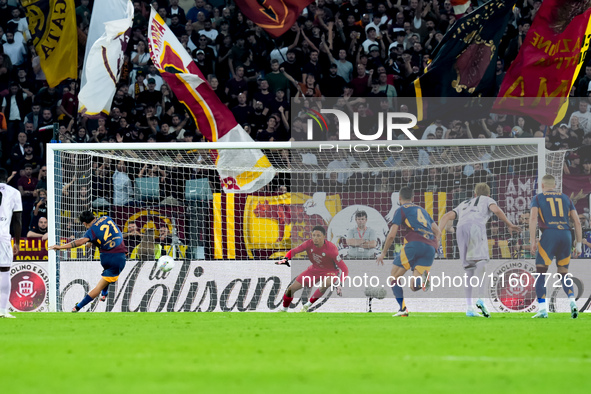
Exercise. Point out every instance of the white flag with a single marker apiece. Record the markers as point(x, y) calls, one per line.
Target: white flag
point(102, 67)
point(103, 12)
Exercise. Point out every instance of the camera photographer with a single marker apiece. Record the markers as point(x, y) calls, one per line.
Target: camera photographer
point(40, 209)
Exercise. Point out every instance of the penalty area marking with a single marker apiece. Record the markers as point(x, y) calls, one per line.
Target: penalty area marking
point(486, 359)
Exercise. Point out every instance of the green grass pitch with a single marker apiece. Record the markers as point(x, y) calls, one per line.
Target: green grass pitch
point(293, 353)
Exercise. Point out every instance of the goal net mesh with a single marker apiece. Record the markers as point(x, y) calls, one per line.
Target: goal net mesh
point(169, 201)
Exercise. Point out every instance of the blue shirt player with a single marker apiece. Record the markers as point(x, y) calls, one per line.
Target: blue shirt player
point(104, 234)
point(552, 210)
point(420, 242)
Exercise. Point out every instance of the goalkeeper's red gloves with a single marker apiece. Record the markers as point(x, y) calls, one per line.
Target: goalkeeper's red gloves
point(283, 261)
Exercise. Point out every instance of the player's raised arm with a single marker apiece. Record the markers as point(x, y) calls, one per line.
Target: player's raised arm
point(291, 253)
point(533, 223)
point(578, 232)
point(436, 231)
point(70, 245)
point(494, 208)
point(389, 239)
point(445, 219)
point(343, 267)
point(344, 273)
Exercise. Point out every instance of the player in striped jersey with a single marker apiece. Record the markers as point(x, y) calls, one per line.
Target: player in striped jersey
point(421, 239)
point(472, 216)
point(552, 209)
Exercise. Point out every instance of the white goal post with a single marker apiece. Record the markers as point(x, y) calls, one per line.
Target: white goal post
point(169, 192)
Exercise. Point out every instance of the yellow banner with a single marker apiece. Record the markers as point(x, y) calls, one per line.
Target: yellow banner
point(52, 24)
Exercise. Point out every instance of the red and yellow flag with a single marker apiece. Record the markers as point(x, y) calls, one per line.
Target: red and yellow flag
point(275, 16)
point(245, 170)
point(539, 80)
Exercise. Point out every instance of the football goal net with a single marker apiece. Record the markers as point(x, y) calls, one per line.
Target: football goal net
point(167, 199)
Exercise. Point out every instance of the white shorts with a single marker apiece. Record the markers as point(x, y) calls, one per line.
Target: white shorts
point(473, 245)
point(6, 255)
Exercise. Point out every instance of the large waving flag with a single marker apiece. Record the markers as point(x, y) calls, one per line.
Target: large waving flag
point(103, 66)
point(52, 24)
point(108, 10)
point(275, 16)
point(250, 169)
point(465, 59)
point(540, 78)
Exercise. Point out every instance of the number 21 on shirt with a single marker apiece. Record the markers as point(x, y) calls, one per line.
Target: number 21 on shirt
point(105, 228)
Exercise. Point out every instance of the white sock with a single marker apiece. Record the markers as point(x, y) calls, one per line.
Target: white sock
point(4, 290)
point(284, 308)
point(542, 305)
point(468, 290)
point(479, 273)
point(308, 304)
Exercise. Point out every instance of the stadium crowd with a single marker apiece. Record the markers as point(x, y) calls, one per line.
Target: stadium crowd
point(354, 49)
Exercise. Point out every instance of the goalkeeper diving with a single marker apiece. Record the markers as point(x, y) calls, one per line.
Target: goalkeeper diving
point(326, 264)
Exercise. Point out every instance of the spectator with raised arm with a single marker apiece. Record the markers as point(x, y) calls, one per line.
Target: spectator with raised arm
point(122, 185)
point(40, 209)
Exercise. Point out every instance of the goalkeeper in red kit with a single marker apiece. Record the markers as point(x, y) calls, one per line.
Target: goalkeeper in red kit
point(326, 263)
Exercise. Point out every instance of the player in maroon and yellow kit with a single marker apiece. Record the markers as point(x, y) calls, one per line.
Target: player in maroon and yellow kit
point(326, 263)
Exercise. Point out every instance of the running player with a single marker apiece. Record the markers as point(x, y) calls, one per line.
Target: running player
point(11, 222)
point(472, 216)
point(326, 263)
point(421, 240)
point(551, 210)
point(104, 234)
